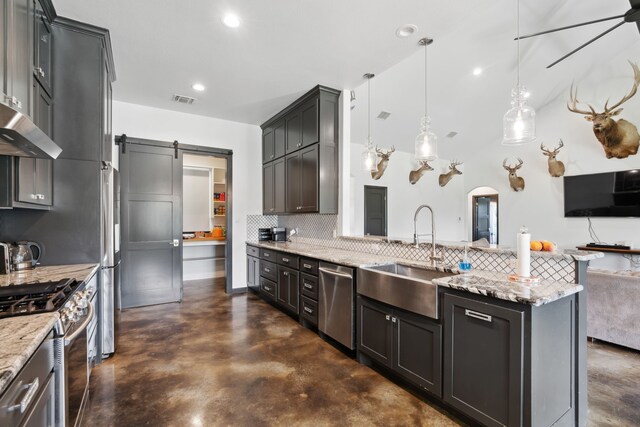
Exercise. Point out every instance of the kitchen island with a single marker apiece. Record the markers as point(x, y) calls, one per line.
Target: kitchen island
point(497, 352)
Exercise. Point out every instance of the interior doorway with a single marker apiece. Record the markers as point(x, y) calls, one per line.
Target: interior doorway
point(485, 217)
point(204, 213)
point(375, 210)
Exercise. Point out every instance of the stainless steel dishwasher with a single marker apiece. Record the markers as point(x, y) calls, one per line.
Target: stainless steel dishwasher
point(336, 303)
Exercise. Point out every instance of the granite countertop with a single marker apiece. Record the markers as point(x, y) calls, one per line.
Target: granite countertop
point(489, 283)
point(20, 337)
point(49, 273)
point(570, 254)
point(496, 285)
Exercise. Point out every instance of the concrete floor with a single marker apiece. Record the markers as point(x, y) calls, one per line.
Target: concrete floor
point(218, 360)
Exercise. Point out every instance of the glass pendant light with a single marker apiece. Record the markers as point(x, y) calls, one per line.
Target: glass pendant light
point(369, 156)
point(519, 123)
point(426, 146)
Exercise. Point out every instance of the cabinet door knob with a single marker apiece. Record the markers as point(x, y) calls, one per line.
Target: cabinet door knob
point(284, 273)
point(272, 156)
point(387, 317)
point(393, 319)
point(34, 196)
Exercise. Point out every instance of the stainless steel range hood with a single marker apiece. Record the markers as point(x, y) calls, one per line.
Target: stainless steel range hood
point(19, 136)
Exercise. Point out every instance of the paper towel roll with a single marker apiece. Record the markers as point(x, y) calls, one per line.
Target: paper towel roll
point(523, 263)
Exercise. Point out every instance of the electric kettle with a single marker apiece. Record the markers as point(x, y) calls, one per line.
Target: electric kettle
point(25, 255)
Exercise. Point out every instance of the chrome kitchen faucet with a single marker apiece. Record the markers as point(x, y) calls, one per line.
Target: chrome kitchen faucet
point(434, 258)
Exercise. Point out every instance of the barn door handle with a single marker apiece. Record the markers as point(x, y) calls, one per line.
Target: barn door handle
point(175, 147)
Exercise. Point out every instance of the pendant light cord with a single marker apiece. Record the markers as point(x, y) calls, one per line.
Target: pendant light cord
point(369, 111)
point(425, 77)
point(518, 47)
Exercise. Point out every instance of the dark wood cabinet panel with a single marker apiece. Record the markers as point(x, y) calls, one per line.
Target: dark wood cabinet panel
point(42, 48)
point(309, 285)
point(418, 350)
point(292, 166)
point(253, 272)
point(310, 129)
point(308, 176)
point(19, 49)
point(26, 180)
point(44, 181)
point(294, 132)
point(288, 289)
point(268, 288)
point(375, 331)
point(279, 139)
point(483, 360)
point(268, 206)
point(279, 186)
point(268, 148)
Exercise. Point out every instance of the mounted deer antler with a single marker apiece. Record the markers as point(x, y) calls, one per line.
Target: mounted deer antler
point(620, 138)
point(556, 167)
point(516, 182)
point(415, 175)
point(382, 164)
point(444, 178)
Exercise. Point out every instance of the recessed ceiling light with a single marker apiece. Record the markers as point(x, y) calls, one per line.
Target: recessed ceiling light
point(231, 20)
point(477, 71)
point(198, 86)
point(406, 30)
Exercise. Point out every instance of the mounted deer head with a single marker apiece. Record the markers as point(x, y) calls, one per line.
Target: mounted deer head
point(516, 182)
point(415, 175)
point(556, 167)
point(620, 138)
point(382, 164)
point(444, 178)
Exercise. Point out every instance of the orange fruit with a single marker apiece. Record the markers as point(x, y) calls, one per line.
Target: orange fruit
point(535, 245)
point(548, 246)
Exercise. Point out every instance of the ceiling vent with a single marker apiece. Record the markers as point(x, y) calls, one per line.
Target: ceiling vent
point(451, 134)
point(183, 99)
point(383, 115)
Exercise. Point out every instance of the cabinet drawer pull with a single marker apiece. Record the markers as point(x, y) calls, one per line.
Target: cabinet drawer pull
point(266, 270)
point(477, 315)
point(285, 259)
point(308, 286)
point(268, 289)
point(308, 310)
point(22, 406)
point(266, 254)
point(306, 265)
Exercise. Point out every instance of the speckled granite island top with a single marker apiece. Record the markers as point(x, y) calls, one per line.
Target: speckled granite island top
point(20, 337)
point(489, 283)
point(49, 273)
point(496, 285)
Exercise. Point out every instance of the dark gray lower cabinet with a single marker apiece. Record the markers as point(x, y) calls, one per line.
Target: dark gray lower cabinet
point(289, 289)
point(483, 360)
point(407, 343)
point(34, 181)
point(253, 273)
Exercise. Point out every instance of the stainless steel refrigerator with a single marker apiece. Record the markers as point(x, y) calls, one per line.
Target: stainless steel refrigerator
point(110, 261)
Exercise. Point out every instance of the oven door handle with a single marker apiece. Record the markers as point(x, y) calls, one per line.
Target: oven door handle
point(74, 335)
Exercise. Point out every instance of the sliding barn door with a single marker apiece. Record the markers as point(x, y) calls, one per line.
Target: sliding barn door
point(151, 197)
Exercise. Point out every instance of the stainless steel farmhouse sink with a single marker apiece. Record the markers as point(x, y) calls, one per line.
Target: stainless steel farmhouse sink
point(402, 286)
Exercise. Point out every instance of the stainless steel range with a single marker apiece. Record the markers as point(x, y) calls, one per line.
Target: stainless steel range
point(74, 301)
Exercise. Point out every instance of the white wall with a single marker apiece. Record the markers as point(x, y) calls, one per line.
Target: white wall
point(245, 140)
point(403, 198)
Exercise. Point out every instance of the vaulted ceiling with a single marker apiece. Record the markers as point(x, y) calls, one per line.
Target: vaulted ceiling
point(283, 48)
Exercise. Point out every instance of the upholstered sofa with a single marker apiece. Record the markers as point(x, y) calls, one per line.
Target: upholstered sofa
point(613, 308)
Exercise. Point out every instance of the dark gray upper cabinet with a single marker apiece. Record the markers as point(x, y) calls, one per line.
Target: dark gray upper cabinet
point(82, 106)
point(268, 149)
point(42, 48)
point(294, 133)
point(273, 187)
point(309, 115)
point(302, 180)
point(310, 127)
point(34, 182)
point(19, 50)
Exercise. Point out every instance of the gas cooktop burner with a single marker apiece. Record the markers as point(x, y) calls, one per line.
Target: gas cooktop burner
point(35, 298)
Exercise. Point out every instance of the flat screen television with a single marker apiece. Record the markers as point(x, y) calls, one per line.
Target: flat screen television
point(611, 194)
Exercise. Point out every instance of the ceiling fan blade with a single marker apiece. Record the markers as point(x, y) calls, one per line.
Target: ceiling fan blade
point(587, 43)
point(571, 26)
